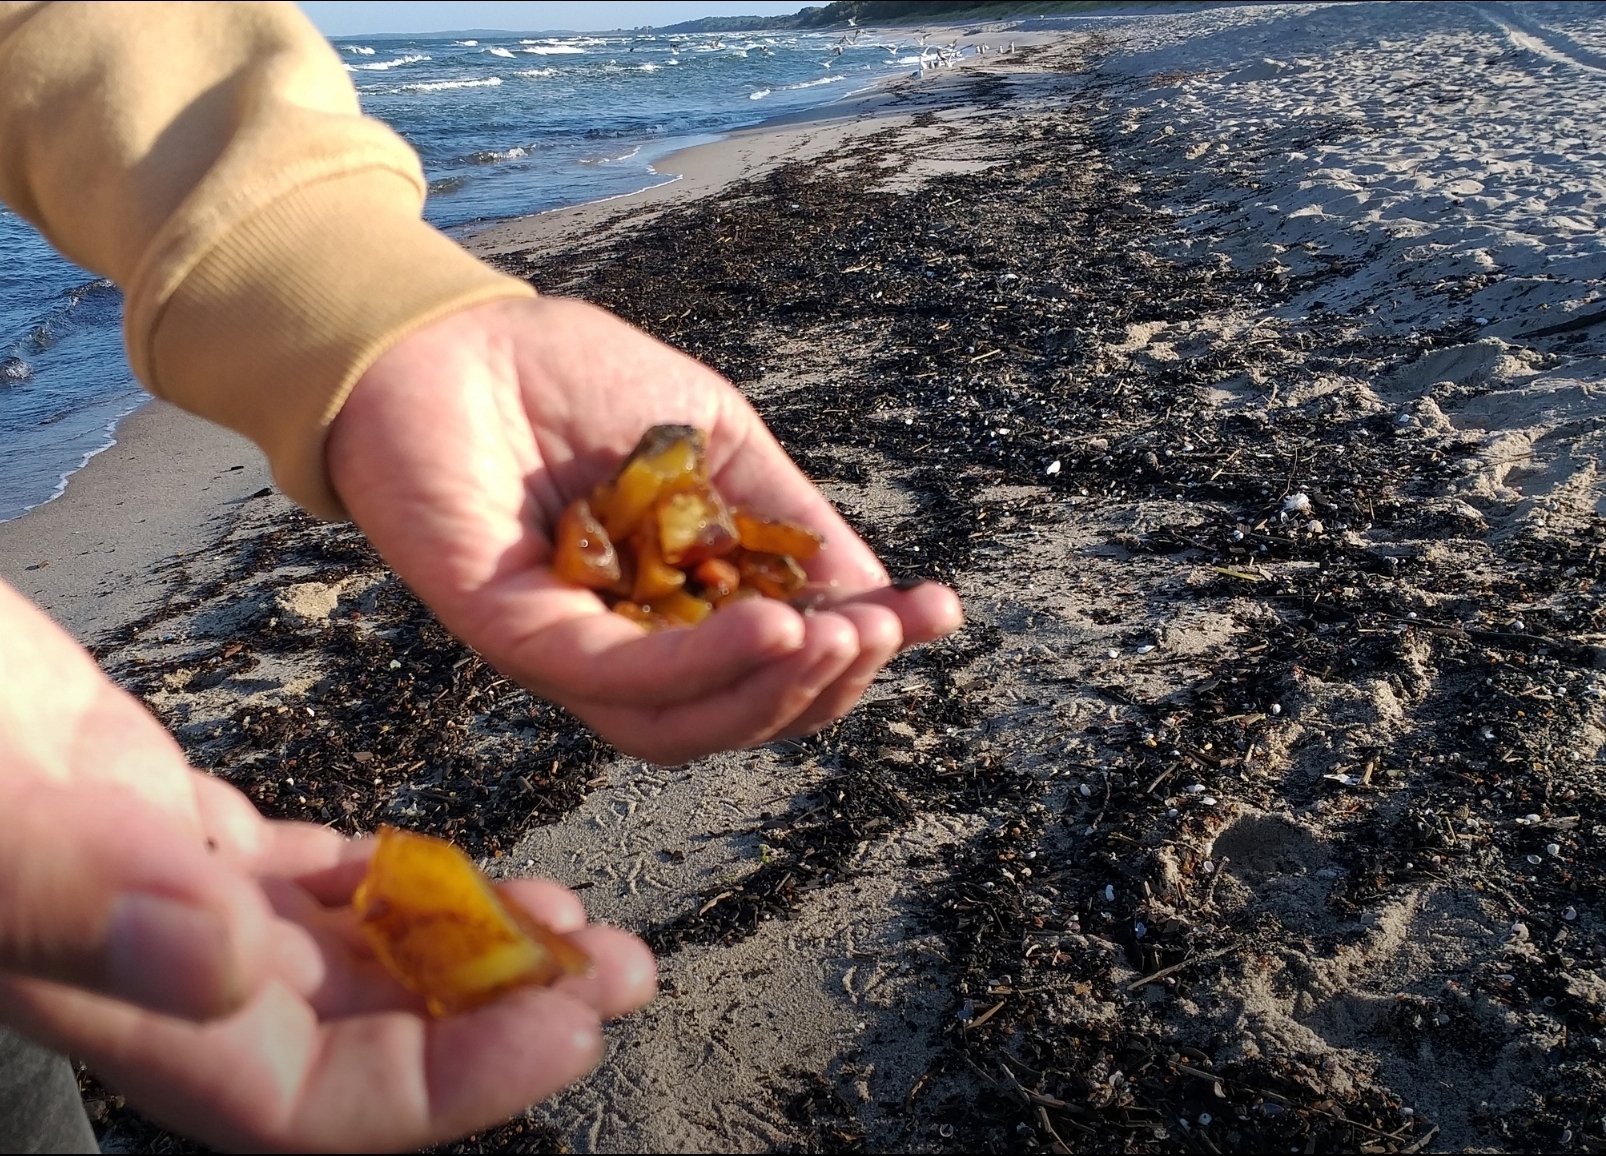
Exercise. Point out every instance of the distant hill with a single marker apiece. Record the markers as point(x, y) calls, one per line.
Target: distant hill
point(838, 14)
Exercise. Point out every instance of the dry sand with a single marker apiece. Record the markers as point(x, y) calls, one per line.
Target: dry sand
point(1280, 686)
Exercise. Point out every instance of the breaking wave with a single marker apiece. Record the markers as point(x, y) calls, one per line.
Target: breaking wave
point(443, 85)
point(385, 65)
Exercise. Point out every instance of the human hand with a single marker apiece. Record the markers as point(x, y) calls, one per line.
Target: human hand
point(459, 448)
point(207, 963)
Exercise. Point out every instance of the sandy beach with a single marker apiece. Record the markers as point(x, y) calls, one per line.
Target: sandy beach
point(1245, 370)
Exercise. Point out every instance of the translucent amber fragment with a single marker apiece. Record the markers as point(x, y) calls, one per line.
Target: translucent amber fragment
point(683, 608)
point(774, 575)
point(667, 460)
point(583, 554)
point(439, 927)
point(718, 578)
point(768, 536)
point(654, 579)
point(640, 615)
point(694, 525)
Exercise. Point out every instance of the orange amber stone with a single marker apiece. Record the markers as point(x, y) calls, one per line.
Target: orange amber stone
point(774, 575)
point(440, 928)
point(640, 615)
point(683, 608)
point(667, 460)
point(769, 536)
point(718, 578)
point(583, 554)
point(654, 578)
point(694, 525)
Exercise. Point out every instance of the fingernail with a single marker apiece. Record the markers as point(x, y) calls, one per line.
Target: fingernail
point(170, 957)
point(909, 583)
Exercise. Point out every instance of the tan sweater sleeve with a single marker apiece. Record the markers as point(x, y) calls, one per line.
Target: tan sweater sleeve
point(211, 159)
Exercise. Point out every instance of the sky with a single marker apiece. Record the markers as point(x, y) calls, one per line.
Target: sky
point(354, 18)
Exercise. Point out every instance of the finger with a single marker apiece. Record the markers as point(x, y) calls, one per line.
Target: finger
point(880, 635)
point(927, 611)
point(600, 656)
point(624, 975)
point(273, 1077)
point(99, 891)
point(742, 716)
point(552, 903)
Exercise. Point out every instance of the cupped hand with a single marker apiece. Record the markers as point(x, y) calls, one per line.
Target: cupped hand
point(206, 962)
point(459, 448)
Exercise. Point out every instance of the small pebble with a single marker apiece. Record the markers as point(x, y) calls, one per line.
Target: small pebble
point(1276, 708)
point(1109, 893)
point(1570, 914)
point(1053, 468)
point(1112, 653)
point(1553, 849)
point(1209, 800)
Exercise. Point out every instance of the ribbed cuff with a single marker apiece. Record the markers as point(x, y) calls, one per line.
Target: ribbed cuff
point(273, 327)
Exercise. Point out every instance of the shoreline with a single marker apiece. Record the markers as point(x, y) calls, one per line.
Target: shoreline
point(148, 444)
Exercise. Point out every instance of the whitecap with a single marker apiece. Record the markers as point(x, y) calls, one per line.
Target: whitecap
point(357, 49)
point(384, 65)
point(500, 52)
point(648, 67)
point(555, 50)
point(610, 160)
point(443, 85)
point(815, 83)
point(759, 95)
point(539, 72)
point(467, 43)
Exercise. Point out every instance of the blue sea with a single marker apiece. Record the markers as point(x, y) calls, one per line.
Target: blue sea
point(505, 124)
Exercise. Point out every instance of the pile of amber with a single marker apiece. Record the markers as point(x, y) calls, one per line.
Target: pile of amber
point(660, 545)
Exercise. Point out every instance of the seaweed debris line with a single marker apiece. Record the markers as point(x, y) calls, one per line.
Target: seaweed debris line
point(1257, 808)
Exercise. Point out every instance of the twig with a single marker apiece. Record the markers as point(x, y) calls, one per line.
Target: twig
point(1176, 967)
point(986, 1015)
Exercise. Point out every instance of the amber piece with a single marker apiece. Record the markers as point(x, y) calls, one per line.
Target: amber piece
point(718, 578)
point(694, 525)
point(640, 615)
point(440, 928)
point(774, 575)
point(680, 607)
point(654, 578)
point(769, 536)
point(667, 460)
point(583, 554)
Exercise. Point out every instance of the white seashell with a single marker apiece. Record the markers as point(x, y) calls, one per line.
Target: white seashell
point(1053, 468)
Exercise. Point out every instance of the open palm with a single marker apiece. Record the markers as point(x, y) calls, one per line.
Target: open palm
point(206, 962)
point(460, 447)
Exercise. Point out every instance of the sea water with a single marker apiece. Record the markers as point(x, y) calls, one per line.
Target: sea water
point(505, 125)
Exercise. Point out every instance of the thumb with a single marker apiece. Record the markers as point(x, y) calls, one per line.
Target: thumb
point(100, 891)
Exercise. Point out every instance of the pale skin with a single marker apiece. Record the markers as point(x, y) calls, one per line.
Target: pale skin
point(203, 959)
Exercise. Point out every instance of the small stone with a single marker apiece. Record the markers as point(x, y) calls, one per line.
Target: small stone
point(1276, 708)
point(1553, 849)
point(1053, 468)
